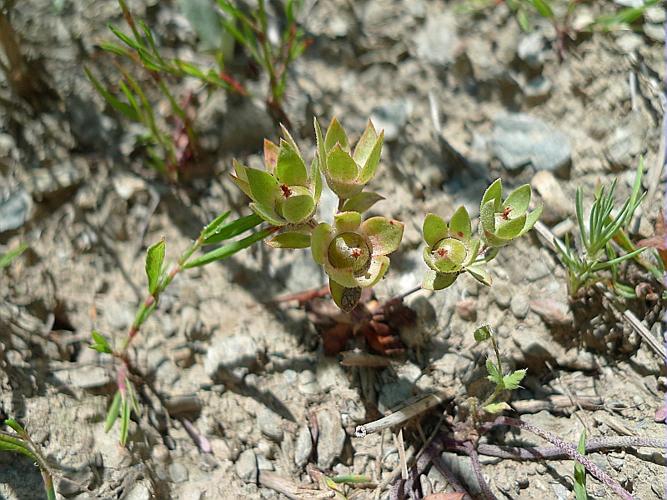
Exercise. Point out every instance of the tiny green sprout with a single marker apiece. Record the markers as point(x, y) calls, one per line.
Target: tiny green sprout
point(450, 250)
point(285, 194)
point(354, 254)
point(503, 382)
point(501, 222)
point(347, 171)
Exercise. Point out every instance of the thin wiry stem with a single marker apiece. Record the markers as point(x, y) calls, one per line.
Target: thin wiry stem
point(569, 450)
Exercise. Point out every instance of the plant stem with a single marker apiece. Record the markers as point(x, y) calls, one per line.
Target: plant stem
point(149, 303)
point(569, 450)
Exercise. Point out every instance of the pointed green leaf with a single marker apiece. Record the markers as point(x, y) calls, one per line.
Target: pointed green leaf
point(531, 219)
point(459, 224)
point(366, 144)
point(113, 412)
point(434, 229)
point(494, 408)
point(513, 380)
point(518, 200)
point(263, 186)
point(290, 240)
point(493, 193)
point(10, 256)
point(512, 228)
point(125, 412)
point(290, 140)
point(316, 179)
point(384, 234)
point(18, 428)
point(438, 281)
point(487, 216)
point(268, 214)
point(233, 229)
point(340, 166)
point(335, 135)
point(215, 225)
point(320, 240)
point(580, 471)
point(480, 273)
point(321, 150)
point(345, 298)
point(370, 166)
point(298, 208)
point(228, 250)
point(361, 202)
point(494, 373)
point(100, 343)
point(154, 262)
point(291, 169)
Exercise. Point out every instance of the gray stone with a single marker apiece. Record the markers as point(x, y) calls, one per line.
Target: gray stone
point(232, 355)
point(84, 377)
point(502, 294)
point(391, 117)
point(270, 424)
point(520, 139)
point(519, 305)
point(304, 447)
point(656, 14)
point(556, 204)
point(552, 312)
point(437, 40)
point(629, 41)
point(15, 210)
point(331, 437)
point(531, 49)
point(246, 466)
point(537, 89)
point(7, 145)
point(141, 490)
point(69, 488)
point(627, 141)
point(264, 463)
point(178, 472)
point(655, 32)
point(466, 309)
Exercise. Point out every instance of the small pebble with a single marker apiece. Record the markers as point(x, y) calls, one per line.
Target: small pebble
point(467, 309)
point(178, 472)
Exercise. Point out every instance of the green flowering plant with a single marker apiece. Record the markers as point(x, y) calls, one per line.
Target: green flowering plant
point(451, 250)
point(354, 254)
point(286, 194)
point(346, 171)
point(502, 222)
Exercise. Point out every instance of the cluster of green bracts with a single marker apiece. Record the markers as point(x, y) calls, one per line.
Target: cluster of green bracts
point(354, 252)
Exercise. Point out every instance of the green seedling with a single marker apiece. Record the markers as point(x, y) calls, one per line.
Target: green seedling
point(251, 31)
point(580, 471)
point(159, 277)
point(496, 374)
point(7, 258)
point(561, 14)
point(598, 254)
point(20, 442)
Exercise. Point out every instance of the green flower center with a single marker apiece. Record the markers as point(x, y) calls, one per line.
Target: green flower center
point(448, 255)
point(349, 250)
